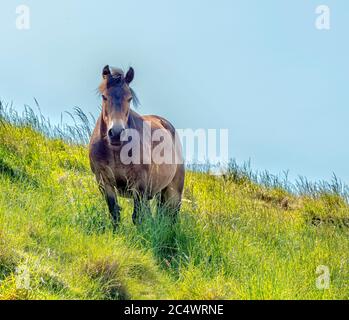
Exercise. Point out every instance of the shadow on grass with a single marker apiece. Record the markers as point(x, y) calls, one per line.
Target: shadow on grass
point(168, 240)
point(16, 175)
point(8, 259)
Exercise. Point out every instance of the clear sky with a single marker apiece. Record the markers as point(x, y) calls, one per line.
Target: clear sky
point(259, 68)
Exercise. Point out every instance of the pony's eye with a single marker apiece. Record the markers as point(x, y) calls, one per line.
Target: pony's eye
point(104, 97)
point(129, 100)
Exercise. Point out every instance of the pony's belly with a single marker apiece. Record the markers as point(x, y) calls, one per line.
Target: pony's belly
point(150, 180)
point(160, 176)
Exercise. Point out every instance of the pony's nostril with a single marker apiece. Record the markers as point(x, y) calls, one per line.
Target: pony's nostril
point(114, 136)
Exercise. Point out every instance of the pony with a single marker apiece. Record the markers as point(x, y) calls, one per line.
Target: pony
point(122, 134)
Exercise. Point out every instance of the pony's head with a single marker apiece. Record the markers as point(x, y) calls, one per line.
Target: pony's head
point(116, 102)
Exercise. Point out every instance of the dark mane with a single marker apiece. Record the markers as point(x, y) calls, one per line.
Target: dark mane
point(135, 100)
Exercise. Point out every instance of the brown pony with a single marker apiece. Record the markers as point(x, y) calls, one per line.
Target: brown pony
point(140, 180)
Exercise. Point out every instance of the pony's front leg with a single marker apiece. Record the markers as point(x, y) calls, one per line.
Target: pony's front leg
point(113, 205)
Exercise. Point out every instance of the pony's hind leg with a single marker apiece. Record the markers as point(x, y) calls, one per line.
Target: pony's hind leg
point(171, 200)
point(141, 208)
point(171, 196)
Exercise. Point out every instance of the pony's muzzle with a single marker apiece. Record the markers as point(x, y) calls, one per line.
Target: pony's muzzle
point(114, 135)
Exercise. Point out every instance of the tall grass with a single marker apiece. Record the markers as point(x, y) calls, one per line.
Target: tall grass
point(301, 186)
point(77, 133)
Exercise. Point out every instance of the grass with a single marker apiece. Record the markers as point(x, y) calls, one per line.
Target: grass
point(240, 236)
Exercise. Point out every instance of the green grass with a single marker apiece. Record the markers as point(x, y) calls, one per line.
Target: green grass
point(236, 239)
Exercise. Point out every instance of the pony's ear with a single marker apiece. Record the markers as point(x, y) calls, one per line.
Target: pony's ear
point(106, 72)
point(129, 75)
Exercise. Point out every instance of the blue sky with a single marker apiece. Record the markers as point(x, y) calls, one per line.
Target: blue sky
point(259, 68)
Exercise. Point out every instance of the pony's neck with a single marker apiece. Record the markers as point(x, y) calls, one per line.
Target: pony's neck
point(133, 119)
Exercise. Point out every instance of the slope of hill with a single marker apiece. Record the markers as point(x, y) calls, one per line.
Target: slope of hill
point(236, 239)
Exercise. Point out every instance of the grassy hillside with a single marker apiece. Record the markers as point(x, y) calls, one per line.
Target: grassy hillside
point(236, 239)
